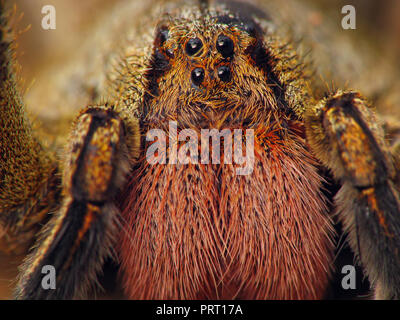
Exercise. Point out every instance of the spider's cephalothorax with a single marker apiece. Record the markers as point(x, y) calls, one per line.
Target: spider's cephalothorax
point(195, 230)
point(207, 232)
point(215, 69)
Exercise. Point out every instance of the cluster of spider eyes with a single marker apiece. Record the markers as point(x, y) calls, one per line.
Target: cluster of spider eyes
point(224, 46)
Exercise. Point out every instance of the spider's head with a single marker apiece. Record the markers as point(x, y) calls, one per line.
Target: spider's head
point(212, 68)
point(205, 54)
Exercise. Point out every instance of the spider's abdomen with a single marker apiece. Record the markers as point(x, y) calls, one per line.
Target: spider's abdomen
point(201, 231)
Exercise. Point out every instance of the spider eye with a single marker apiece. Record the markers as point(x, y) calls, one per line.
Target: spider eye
point(163, 36)
point(225, 46)
point(193, 46)
point(197, 76)
point(224, 73)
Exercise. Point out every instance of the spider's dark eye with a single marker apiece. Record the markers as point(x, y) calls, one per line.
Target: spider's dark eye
point(224, 73)
point(225, 46)
point(193, 46)
point(163, 36)
point(197, 76)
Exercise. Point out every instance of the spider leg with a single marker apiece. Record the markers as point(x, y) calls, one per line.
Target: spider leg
point(345, 135)
point(395, 150)
point(80, 236)
point(28, 173)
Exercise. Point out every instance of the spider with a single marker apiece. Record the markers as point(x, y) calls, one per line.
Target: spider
point(195, 230)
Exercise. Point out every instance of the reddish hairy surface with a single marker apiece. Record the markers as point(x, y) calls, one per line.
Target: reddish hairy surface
point(201, 231)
